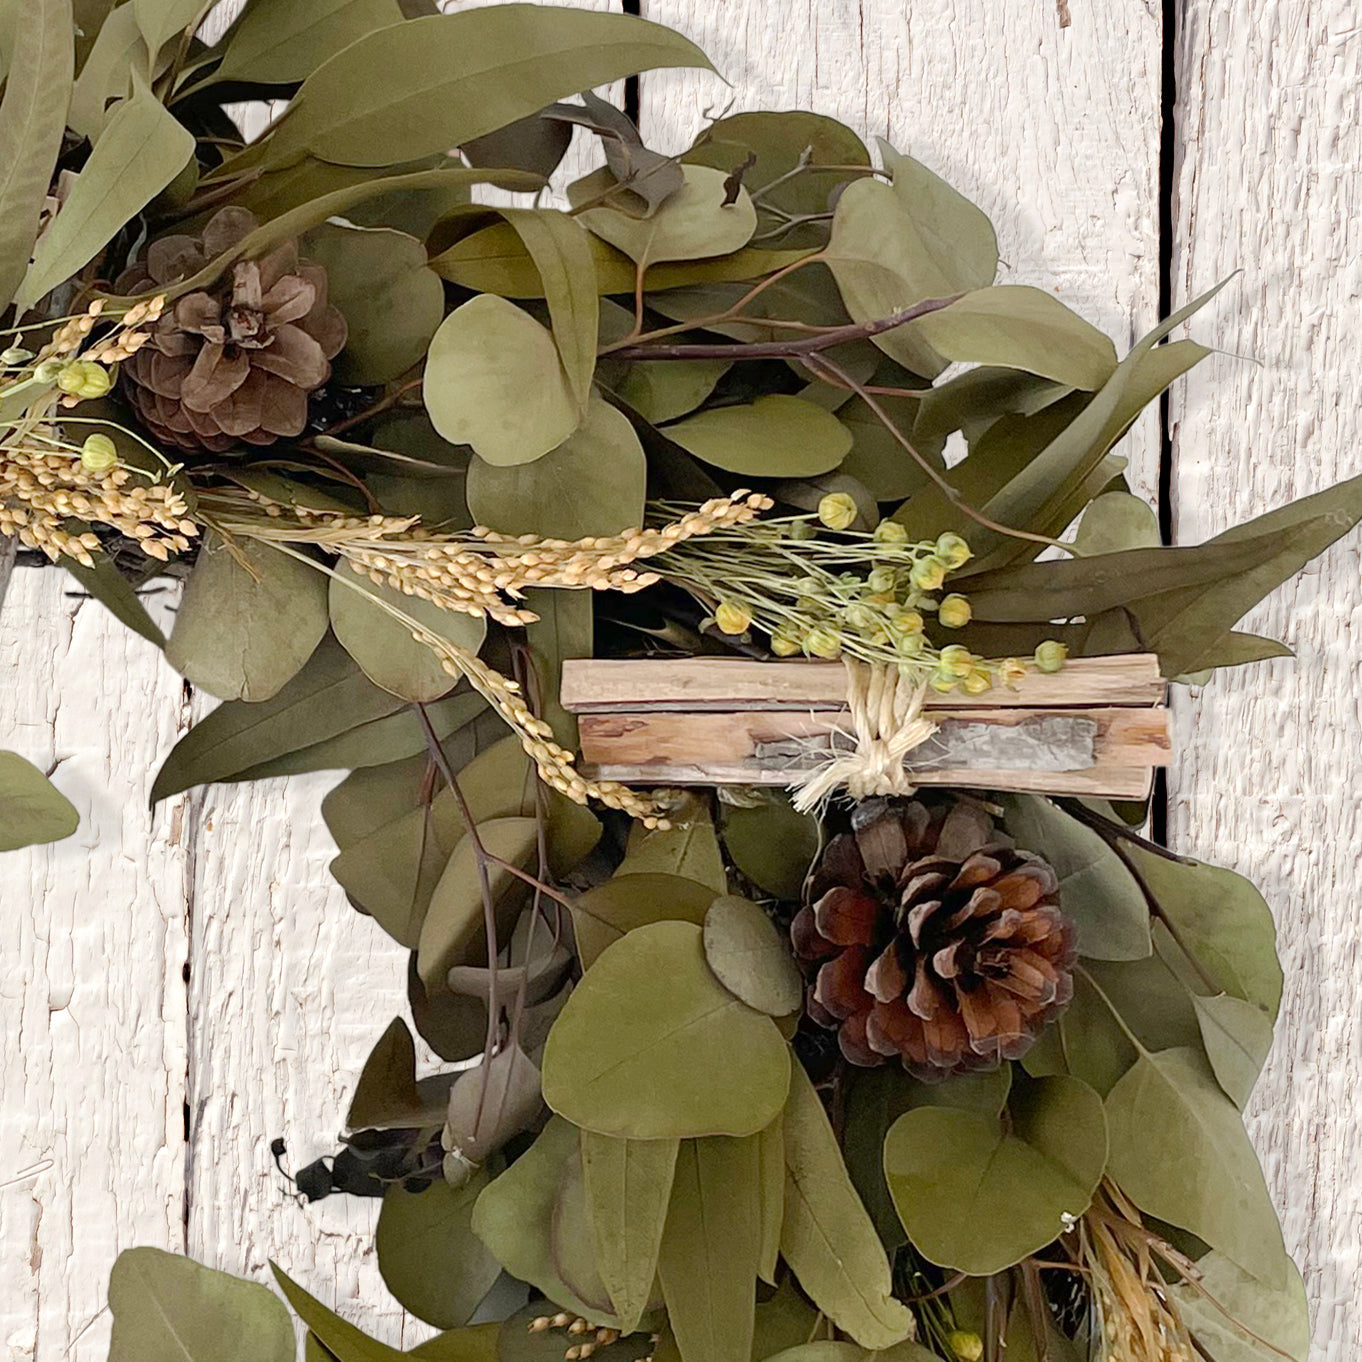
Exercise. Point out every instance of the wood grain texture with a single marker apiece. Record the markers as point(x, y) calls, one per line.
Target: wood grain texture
point(1270, 181)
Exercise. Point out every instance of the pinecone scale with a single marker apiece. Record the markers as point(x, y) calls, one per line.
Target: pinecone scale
point(926, 935)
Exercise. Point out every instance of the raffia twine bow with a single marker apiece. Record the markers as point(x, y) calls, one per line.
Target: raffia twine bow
point(886, 723)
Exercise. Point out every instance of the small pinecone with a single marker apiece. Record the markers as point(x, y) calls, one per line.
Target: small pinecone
point(237, 362)
point(927, 935)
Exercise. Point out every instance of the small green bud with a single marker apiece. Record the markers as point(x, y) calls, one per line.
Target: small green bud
point(883, 581)
point(16, 354)
point(862, 617)
point(942, 682)
point(1050, 656)
point(801, 529)
point(838, 510)
point(956, 661)
point(953, 551)
point(890, 532)
point(85, 378)
point(954, 612)
point(966, 1346)
point(928, 573)
point(49, 370)
point(905, 621)
point(784, 643)
point(909, 645)
point(978, 682)
point(733, 618)
point(823, 642)
point(98, 454)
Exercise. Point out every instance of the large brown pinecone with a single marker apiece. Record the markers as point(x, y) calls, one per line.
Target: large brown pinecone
point(235, 362)
point(927, 935)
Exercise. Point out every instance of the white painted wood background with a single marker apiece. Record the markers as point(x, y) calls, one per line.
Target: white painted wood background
point(200, 958)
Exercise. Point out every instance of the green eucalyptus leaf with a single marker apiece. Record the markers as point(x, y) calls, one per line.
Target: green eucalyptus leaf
point(392, 873)
point(162, 20)
point(594, 483)
point(772, 844)
point(250, 618)
point(510, 413)
point(711, 1248)
point(663, 390)
point(535, 143)
point(827, 1238)
point(604, 914)
point(751, 958)
point(1116, 521)
point(472, 1343)
point(514, 1218)
point(1274, 1322)
point(118, 50)
point(628, 1187)
point(429, 1256)
point(463, 75)
point(339, 1337)
point(492, 1102)
point(564, 628)
point(391, 301)
point(1237, 1036)
point(692, 224)
point(170, 1309)
point(1096, 890)
point(777, 436)
point(1179, 1151)
point(879, 460)
point(32, 121)
point(139, 152)
point(635, 1051)
point(1021, 327)
point(32, 810)
point(116, 594)
point(573, 1242)
point(771, 1185)
point(385, 648)
point(786, 1319)
point(951, 1171)
point(689, 848)
point(279, 41)
point(388, 1094)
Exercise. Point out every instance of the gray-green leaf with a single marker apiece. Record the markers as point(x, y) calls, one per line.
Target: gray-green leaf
point(32, 809)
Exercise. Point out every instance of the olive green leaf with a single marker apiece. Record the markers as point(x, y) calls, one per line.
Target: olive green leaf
point(32, 809)
point(564, 628)
point(387, 652)
point(972, 401)
point(1180, 1152)
point(604, 914)
point(663, 390)
point(106, 74)
point(950, 1170)
point(1278, 1316)
point(647, 178)
point(636, 1050)
point(876, 457)
point(250, 617)
point(492, 1101)
point(1223, 920)
point(162, 20)
point(452, 1024)
point(1021, 327)
point(279, 41)
point(170, 1309)
point(392, 303)
point(116, 594)
point(472, 1343)
point(875, 1099)
point(628, 1187)
point(32, 121)
point(1096, 890)
point(514, 1218)
point(1237, 1036)
point(771, 1184)
point(780, 141)
point(771, 843)
point(750, 957)
point(1116, 521)
point(692, 224)
point(593, 483)
point(777, 436)
point(827, 1238)
point(536, 143)
point(140, 151)
point(339, 1337)
point(574, 1250)
point(388, 1093)
point(689, 848)
point(429, 1256)
point(369, 799)
point(711, 1248)
point(454, 931)
point(786, 1319)
point(509, 412)
point(463, 75)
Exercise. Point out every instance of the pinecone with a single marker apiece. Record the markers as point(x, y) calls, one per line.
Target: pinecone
point(236, 362)
point(927, 935)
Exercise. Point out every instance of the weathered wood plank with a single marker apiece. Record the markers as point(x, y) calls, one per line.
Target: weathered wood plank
point(92, 998)
point(1269, 181)
point(592, 686)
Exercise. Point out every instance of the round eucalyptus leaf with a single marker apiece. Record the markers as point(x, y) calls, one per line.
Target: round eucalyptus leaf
point(663, 390)
point(1116, 521)
point(429, 1256)
point(651, 1046)
point(693, 224)
point(594, 483)
point(494, 381)
point(750, 957)
point(602, 915)
point(777, 436)
point(1280, 1316)
point(384, 647)
point(772, 844)
point(976, 1197)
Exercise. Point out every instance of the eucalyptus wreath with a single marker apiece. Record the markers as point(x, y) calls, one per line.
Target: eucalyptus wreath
point(953, 1075)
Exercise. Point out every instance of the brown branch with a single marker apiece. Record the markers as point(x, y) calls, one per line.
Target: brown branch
point(810, 345)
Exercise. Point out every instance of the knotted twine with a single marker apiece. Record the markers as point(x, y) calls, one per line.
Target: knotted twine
point(885, 709)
